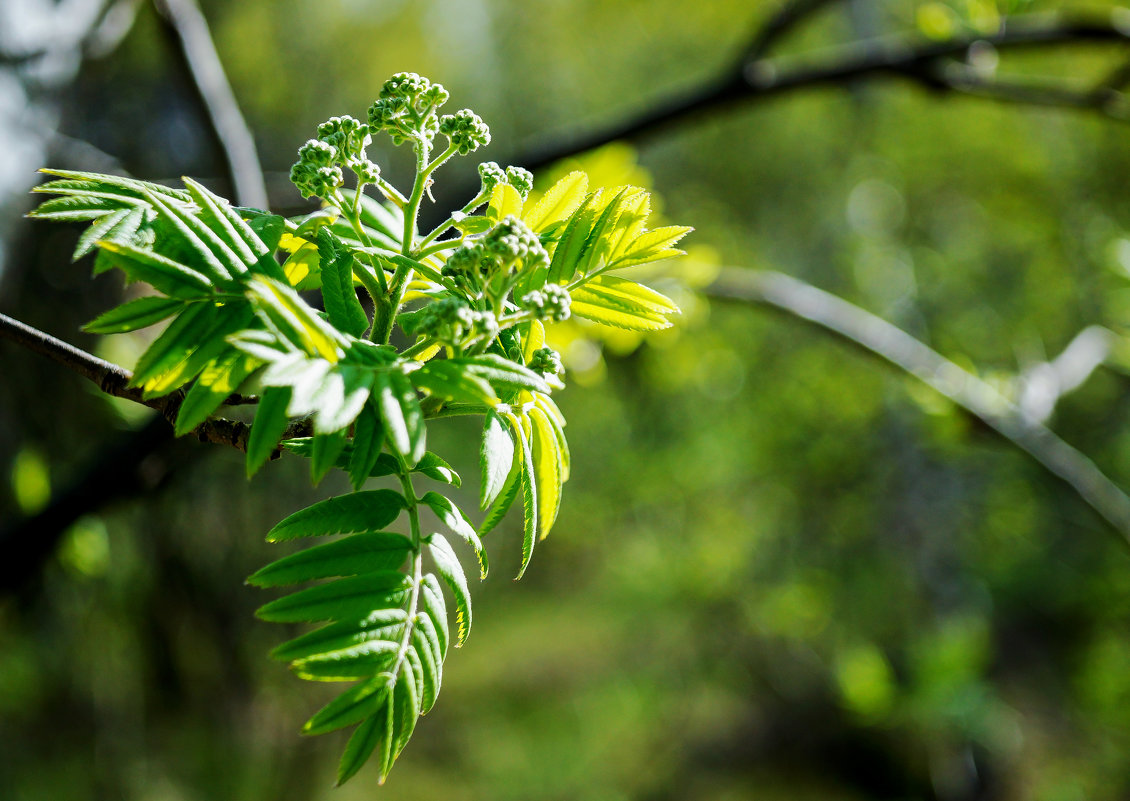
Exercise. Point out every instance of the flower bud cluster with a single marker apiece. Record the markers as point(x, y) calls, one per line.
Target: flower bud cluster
point(507, 249)
point(551, 302)
point(341, 143)
point(492, 175)
point(406, 108)
point(453, 322)
point(546, 361)
point(466, 131)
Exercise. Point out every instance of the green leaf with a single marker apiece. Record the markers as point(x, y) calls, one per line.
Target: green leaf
point(165, 275)
point(269, 424)
point(504, 500)
point(651, 246)
point(629, 295)
point(557, 422)
point(101, 229)
point(449, 513)
point(325, 450)
point(351, 556)
point(547, 469)
point(431, 600)
point(267, 228)
point(435, 468)
point(217, 213)
point(219, 379)
point(212, 257)
point(380, 624)
point(529, 490)
point(430, 671)
point(406, 709)
point(368, 438)
point(558, 202)
point(504, 201)
point(370, 510)
point(401, 413)
point(344, 392)
point(451, 571)
point(178, 355)
point(108, 184)
point(355, 596)
point(444, 378)
point(597, 245)
point(356, 662)
point(295, 319)
point(360, 747)
point(618, 318)
point(134, 315)
point(352, 706)
point(502, 373)
point(567, 253)
point(79, 208)
point(496, 458)
point(342, 306)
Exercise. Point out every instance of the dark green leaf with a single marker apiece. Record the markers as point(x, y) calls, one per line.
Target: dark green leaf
point(356, 554)
point(326, 448)
point(368, 438)
point(216, 382)
point(496, 458)
point(380, 624)
point(370, 510)
point(451, 571)
point(502, 373)
point(342, 306)
point(400, 411)
point(431, 599)
point(269, 424)
point(134, 315)
point(165, 275)
point(356, 662)
point(449, 513)
point(352, 597)
point(353, 705)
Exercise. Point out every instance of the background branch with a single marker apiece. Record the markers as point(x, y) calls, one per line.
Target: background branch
point(911, 58)
point(893, 345)
point(199, 56)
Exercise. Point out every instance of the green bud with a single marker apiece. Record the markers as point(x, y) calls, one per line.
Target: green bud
point(466, 131)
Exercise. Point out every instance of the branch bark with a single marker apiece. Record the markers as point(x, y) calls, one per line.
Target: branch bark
point(880, 338)
point(115, 380)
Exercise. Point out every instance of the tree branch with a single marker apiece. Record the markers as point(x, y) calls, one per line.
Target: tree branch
point(203, 64)
point(892, 344)
point(910, 58)
point(788, 17)
point(114, 380)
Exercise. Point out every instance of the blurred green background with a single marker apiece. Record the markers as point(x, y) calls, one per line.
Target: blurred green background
point(782, 570)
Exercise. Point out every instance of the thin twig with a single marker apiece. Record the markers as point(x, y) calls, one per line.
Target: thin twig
point(215, 93)
point(877, 336)
point(910, 58)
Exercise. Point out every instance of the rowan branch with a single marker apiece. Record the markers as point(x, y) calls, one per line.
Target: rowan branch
point(114, 380)
point(892, 344)
point(907, 57)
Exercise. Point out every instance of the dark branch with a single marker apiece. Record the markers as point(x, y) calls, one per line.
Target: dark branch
point(787, 18)
point(190, 31)
point(912, 59)
point(114, 380)
point(878, 337)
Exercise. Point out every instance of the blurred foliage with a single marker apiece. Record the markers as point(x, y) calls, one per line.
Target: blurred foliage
point(781, 570)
